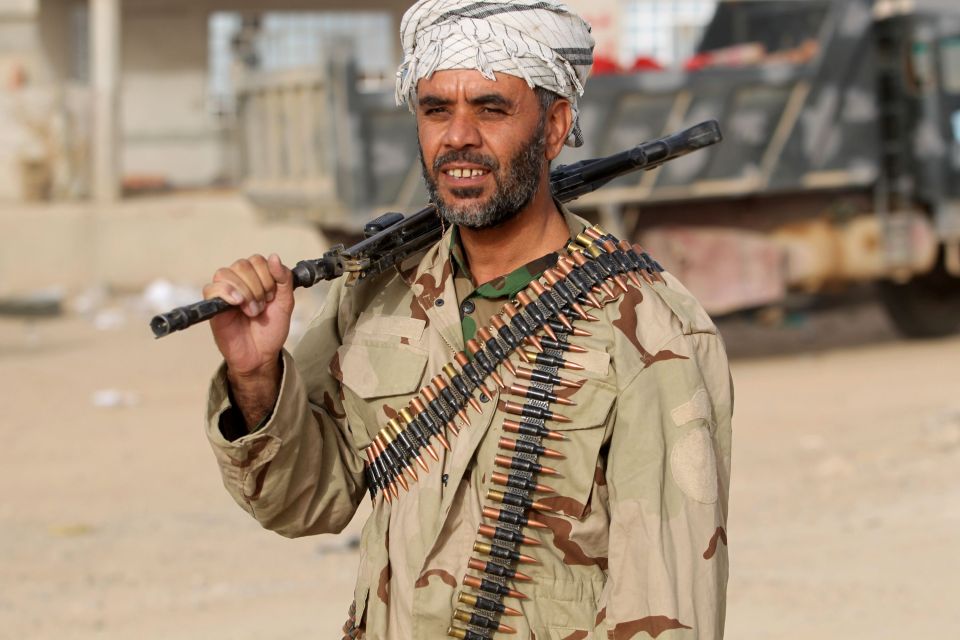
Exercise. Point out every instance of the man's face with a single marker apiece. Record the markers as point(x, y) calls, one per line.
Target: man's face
point(482, 145)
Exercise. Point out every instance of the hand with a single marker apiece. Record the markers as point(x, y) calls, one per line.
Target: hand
point(251, 334)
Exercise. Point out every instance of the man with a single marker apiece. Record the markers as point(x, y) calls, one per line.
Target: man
point(632, 402)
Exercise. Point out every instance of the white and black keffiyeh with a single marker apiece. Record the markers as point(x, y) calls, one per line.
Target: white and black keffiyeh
point(541, 41)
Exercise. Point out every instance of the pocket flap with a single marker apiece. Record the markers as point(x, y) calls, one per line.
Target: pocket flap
point(374, 371)
point(593, 400)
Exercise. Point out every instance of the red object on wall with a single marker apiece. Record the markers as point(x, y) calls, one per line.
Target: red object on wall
point(603, 65)
point(646, 63)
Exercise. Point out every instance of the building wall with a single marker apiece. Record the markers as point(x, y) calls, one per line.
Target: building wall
point(605, 17)
point(168, 130)
point(18, 64)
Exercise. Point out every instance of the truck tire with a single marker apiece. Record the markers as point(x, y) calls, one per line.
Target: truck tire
point(928, 306)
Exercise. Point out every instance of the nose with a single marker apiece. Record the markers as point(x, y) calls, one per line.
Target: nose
point(461, 131)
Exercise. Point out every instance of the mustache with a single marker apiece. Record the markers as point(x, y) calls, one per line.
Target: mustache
point(487, 162)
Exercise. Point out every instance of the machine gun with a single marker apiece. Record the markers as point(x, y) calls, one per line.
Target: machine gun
point(393, 237)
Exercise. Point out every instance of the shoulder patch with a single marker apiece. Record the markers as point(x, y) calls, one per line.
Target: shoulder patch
point(696, 408)
point(693, 465)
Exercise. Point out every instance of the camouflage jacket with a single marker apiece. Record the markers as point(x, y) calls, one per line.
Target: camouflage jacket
point(636, 545)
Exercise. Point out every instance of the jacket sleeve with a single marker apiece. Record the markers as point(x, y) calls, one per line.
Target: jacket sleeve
point(668, 471)
point(299, 473)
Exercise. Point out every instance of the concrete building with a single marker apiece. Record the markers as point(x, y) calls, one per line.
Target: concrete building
point(98, 95)
point(95, 92)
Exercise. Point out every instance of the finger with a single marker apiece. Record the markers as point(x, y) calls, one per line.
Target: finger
point(248, 274)
point(267, 281)
point(231, 280)
point(224, 291)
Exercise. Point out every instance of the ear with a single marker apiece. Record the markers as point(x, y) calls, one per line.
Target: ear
point(558, 125)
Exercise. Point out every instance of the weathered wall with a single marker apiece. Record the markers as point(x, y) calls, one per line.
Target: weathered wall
point(17, 63)
point(167, 129)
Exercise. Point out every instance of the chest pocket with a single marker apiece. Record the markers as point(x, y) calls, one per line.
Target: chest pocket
point(585, 435)
point(382, 366)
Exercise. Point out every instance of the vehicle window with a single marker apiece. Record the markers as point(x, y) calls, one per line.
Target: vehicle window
point(950, 62)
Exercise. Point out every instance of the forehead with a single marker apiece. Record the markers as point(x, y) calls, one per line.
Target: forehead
point(455, 84)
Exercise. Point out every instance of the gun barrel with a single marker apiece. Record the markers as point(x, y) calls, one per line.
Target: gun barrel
point(306, 273)
point(412, 233)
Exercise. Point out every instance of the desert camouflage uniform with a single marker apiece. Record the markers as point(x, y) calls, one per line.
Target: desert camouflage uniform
point(638, 546)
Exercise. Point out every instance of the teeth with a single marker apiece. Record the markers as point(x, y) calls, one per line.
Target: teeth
point(465, 173)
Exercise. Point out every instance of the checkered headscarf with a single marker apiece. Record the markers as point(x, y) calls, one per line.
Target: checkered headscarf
point(541, 41)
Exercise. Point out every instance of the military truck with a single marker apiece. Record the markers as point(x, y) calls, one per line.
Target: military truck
point(841, 159)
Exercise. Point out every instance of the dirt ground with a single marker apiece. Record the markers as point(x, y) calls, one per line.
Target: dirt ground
point(844, 522)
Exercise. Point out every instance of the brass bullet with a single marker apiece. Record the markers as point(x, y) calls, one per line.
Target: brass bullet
point(507, 535)
point(553, 278)
point(398, 433)
point(478, 620)
point(495, 348)
point(596, 232)
point(554, 361)
point(516, 500)
point(512, 313)
point(562, 346)
point(471, 372)
point(566, 267)
point(532, 411)
point(499, 515)
point(534, 313)
point(383, 444)
point(581, 260)
point(532, 430)
point(523, 446)
point(486, 604)
point(548, 378)
point(481, 358)
point(503, 553)
point(498, 570)
point(461, 386)
point(520, 464)
point(434, 404)
point(398, 454)
point(523, 391)
point(391, 481)
point(482, 584)
point(520, 483)
point(422, 413)
point(407, 418)
point(443, 390)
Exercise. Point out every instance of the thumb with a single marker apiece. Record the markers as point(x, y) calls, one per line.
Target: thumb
point(281, 274)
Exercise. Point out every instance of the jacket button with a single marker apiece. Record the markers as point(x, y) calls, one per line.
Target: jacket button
point(439, 302)
point(468, 307)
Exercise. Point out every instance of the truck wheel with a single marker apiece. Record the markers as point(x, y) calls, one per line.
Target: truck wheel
point(928, 306)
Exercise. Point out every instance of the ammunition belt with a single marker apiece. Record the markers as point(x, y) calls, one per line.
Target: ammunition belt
point(536, 327)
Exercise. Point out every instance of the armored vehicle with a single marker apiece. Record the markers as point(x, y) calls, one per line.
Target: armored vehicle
point(841, 159)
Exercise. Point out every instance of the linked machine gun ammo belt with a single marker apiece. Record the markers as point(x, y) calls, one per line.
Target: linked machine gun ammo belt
point(533, 338)
point(393, 237)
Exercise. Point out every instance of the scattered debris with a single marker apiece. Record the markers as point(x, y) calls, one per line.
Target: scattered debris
point(943, 430)
point(109, 319)
point(343, 544)
point(114, 398)
point(72, 530)
point(162, 295)
point(39, 304)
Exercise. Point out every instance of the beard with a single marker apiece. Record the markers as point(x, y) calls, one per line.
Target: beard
point(515, 185)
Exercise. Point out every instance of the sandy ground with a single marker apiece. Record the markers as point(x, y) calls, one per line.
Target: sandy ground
point(845, 506)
